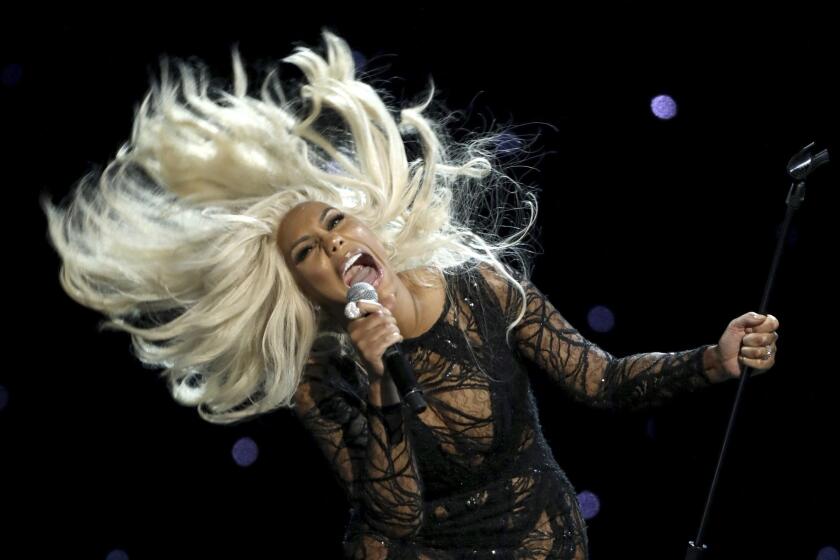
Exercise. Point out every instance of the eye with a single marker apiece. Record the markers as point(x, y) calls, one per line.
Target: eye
point(305, 251)
point(337, 218)
point(302, 254)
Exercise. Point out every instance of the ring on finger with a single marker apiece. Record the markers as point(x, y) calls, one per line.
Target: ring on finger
point(352, 311)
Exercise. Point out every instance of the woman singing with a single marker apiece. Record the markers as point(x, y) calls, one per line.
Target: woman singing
point(225, 235)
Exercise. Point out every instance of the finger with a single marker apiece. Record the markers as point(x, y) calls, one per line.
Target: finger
point(757, 353)
point(355, 310)
point(388, 336)
point(367, 306)
point(769, 324)
point(760, 339)
point(374, 346)
point(386, 342)
point(372, 324)
point(367, 326)
point(747, 322)
point(756, 363)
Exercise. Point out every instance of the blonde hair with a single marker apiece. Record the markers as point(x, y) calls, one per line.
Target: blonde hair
point(175, 241)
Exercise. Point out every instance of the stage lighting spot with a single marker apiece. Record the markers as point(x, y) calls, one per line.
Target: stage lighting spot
point(4, 397)
point(589, 504)
point(117, 555)
point(664, 107)
point(245, 452)
point(600, 319)
point(11, 75)
point(828, 553)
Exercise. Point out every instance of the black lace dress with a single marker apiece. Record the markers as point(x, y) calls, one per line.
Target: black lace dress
point(473, 477)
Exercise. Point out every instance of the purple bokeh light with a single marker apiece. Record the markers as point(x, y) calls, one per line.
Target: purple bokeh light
point(664, 107)
point(245, 452)
point(589, 503)
point(600, 319)
point(828, 553)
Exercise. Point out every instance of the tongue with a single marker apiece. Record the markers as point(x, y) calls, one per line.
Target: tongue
point(363, 274)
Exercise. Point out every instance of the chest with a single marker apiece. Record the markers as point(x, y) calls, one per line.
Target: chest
point(468, 390)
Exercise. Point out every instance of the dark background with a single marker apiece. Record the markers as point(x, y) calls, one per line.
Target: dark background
point(670, 224)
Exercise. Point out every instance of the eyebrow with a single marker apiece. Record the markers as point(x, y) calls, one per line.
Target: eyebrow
point(305, 237)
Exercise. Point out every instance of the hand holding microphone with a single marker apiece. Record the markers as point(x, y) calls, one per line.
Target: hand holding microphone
point(372, 331)
point(375, 334)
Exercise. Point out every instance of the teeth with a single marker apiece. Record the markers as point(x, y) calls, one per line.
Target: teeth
point(350, 262)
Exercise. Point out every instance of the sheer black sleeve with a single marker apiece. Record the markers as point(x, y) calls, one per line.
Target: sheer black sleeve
point(367, 449)
point(589, 373)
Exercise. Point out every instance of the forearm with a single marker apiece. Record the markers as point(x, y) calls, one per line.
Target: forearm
point(650, 379)
point(393, 490)
point(713, 366)
point(595, 376)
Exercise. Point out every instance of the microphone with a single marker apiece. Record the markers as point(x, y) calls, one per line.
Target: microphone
point(393, 358)
point(805, 162)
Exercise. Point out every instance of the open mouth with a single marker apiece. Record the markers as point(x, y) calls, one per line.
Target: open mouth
point(363, 268)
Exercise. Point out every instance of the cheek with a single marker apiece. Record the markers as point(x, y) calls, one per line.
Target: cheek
point(362, 233)
point(308, 286)
point(355, 227)
point(316, 277)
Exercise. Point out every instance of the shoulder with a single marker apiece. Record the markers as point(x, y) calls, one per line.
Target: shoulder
point(331, 377)
point(313, 385)
point(499, 283)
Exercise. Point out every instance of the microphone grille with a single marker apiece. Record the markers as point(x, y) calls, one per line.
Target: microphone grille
point(362, 290)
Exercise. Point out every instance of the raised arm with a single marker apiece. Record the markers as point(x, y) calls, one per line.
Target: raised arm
point(589, 373)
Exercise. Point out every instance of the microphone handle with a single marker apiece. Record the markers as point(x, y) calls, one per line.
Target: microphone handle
point(403, 376)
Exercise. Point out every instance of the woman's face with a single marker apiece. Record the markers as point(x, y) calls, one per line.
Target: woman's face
point(317, 242)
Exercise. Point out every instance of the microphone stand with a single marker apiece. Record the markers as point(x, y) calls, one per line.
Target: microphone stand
point(799, 167)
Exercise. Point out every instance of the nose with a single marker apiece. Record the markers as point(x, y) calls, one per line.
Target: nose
point(337, 242)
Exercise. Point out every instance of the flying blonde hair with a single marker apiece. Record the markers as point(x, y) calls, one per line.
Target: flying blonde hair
point(175, 241)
